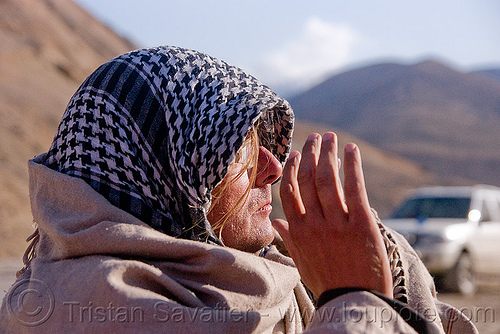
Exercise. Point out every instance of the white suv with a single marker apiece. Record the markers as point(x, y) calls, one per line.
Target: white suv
point(455, 231)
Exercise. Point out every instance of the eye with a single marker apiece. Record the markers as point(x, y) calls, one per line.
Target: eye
point(245, 156)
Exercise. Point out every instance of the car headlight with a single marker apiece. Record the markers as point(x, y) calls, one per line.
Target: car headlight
point(455, 233)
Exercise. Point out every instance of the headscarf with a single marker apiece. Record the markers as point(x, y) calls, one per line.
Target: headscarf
point(154, 132)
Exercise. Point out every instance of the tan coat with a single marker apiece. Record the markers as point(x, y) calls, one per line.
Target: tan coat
point(100, 270)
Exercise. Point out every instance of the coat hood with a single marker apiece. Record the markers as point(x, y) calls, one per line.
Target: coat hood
point(154, 131)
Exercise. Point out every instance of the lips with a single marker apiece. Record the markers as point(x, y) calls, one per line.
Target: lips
point(265, 207)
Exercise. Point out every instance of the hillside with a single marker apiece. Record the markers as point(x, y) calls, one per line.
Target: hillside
point(47, 48)
point(445, 120)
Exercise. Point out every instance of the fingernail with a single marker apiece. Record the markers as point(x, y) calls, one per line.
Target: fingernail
point(350, 148)
point(312, 136)
point(293, 155)
point(328, 137)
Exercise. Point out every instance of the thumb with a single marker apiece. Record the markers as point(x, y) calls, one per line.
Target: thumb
point(282, 227)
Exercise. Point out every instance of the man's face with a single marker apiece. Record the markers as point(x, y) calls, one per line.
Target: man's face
point(248, 228)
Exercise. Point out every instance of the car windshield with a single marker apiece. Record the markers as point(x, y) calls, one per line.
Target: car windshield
point(434, 207)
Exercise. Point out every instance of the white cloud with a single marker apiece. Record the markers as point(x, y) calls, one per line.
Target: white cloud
point(321, 48)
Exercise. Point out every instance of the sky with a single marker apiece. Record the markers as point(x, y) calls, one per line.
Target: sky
point(292, 45)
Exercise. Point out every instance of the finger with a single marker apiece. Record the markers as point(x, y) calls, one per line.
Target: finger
point(289, 190)
point(328, 181)
point(340, 178)
point(354, 183)
point(307, 174)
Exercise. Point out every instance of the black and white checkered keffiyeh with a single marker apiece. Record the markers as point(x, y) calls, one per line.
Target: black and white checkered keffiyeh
point(154, 131)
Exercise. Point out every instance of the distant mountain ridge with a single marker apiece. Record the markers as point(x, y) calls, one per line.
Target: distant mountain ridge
point(443, 119)
point(492, 73)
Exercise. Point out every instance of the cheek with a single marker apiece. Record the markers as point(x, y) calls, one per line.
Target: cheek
point(229, 198)
point(248, 230)
point(244, 229)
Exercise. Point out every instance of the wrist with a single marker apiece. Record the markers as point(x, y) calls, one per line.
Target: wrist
point(328, 295)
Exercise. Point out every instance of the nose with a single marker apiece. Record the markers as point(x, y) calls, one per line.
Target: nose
point(268, 168)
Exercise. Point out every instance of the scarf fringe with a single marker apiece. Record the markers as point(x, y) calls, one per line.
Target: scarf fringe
point(396, 265)
point(30, 252)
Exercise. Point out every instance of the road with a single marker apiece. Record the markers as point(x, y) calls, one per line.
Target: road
point(8, 270)
point(483, 308)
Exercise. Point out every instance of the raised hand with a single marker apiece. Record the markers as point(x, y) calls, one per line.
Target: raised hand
point(330, 231)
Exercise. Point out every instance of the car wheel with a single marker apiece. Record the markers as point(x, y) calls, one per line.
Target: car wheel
point(462, 277)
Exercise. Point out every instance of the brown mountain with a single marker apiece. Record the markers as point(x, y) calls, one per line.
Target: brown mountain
point(443, 119)
point(47, 48)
